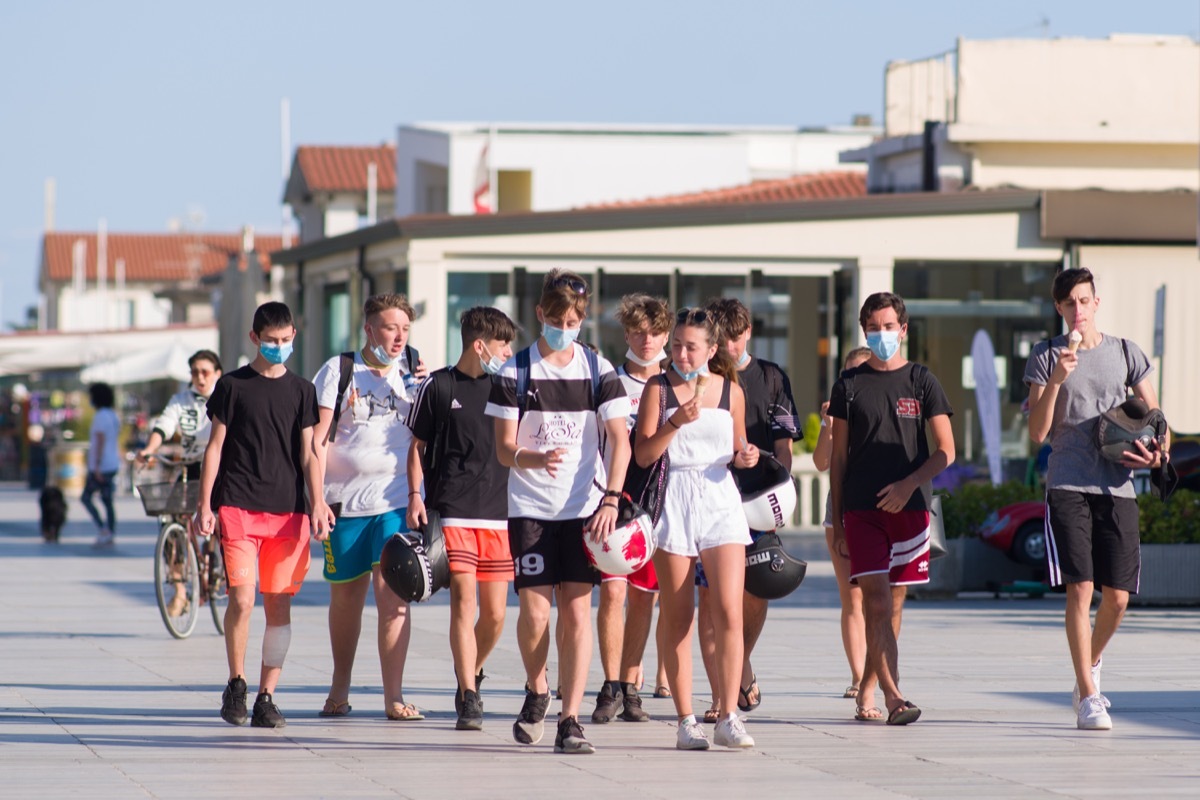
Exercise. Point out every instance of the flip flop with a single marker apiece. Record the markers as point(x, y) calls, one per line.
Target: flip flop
point(744, 695)
point(404, 712)
point(851, 691)
point(662, 691)
point(903, 714)
point(868, 714)
point(334, 709)
point(712, 716)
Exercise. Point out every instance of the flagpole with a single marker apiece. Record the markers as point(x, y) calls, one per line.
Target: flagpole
point(493, 186)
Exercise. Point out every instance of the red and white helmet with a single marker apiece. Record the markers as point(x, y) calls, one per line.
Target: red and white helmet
point(629, 547)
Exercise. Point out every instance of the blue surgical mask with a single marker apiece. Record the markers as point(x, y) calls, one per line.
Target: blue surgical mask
point(559, 338)
point(493, 365)
point(744, 360)
point(275, 353)
point(382, 356)
point(687, 376)
point(884, 344)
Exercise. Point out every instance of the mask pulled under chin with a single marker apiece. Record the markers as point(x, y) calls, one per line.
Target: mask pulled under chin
point(641, 362)
point(687, 376)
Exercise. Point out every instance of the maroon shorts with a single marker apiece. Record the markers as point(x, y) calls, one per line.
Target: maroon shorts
point(880, 542)
point(645, 578)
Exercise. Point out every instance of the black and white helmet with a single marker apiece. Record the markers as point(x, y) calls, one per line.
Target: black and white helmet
point(768, 494)
point(770, 572)
point(414, 565)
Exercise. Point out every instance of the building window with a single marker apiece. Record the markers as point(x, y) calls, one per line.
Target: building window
point(469, 289)
point(514, 190)
point(337, 320)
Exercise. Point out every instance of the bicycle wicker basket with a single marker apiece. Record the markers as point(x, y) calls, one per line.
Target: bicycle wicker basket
point(176, 497)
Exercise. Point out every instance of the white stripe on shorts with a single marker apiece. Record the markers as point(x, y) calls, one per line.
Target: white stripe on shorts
point(1054, 568)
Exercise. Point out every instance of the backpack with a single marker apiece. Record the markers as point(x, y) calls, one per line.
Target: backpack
point(441, 386)
point(346, 374)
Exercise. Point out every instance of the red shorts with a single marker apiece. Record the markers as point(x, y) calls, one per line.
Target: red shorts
point(645, 578)
point(277, 542)
point(896, 544)
point(481, 552)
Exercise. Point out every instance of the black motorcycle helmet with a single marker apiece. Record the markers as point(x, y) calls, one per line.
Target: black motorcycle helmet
point(770, 572)
point(414, 565)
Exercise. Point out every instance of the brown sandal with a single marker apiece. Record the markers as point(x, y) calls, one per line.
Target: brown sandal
point(334, 709)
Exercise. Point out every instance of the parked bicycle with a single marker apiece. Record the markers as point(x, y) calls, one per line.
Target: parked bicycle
point(189, 569)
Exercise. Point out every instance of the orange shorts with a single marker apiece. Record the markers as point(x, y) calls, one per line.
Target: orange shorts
point(277, 542)
point(481, 552)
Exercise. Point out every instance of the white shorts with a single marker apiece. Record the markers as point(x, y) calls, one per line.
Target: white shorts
point(701, 510)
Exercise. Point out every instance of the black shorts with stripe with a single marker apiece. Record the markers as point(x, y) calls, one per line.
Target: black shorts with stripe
point(1093, 537)
point(547, 553)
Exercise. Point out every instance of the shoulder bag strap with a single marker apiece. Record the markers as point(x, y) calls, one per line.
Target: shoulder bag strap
point(345, 375)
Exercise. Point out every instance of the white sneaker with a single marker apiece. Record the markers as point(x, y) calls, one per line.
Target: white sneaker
point(691, 736)
point(104, 538)
point(1093, 714)
point(1095, 682)
point(731, 732)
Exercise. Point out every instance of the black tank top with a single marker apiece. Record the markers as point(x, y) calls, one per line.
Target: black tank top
point(673, 401)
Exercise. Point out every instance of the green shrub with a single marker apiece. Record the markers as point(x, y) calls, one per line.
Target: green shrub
point(969, 505)
point(812, 432)
point(1176, 521)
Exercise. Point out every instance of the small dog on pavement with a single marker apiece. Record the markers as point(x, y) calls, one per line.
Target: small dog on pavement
point(54, 512)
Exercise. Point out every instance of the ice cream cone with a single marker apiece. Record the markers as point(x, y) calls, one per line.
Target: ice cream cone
point(701, 386)
point(1074, 340)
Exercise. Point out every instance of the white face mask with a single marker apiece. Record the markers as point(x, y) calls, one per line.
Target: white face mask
point(382, 356)
point(641, 362)
point(744, 360)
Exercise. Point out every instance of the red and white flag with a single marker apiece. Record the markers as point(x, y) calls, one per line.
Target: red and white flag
point(483, 183)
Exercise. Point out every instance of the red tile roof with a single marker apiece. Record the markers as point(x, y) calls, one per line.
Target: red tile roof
point(814, 186)
point(344, 169)
point(151, 257)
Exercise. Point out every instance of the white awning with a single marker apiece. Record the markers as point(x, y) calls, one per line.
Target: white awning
point(110, 356)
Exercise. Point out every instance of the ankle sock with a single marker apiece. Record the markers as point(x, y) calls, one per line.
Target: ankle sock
point(615, 686)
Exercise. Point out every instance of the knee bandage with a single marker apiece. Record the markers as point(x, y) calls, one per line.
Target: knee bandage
point(276, 641)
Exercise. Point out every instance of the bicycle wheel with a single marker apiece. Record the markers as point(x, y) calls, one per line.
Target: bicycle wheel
point(176, 580)
point(218, 586)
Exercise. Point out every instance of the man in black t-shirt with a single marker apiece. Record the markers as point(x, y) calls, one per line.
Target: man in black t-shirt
point(257, 465)
point(880, 483)
point(468, 487)
point(771, 427)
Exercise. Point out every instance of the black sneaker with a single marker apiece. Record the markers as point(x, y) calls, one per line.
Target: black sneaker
point(266, 713)
point(470, 716)
point(530, 725)
point(633, 705)
point(233, 702)
point(570, 738)
point(458, 692)
point(608, 704)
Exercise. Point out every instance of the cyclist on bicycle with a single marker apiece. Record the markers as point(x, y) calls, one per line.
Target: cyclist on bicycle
point(186, 414)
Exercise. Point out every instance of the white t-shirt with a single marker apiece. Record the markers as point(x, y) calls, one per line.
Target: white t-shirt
point(366, 466)
point(108, 423)
point(559, 413)
point(187, 413)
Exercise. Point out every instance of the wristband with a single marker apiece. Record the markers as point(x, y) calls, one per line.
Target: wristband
point(613, 493)
point(517, 455)
point(672, 423)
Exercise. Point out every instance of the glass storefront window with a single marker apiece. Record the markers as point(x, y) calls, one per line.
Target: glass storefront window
point(337, 320)
point(611, 336)
point(469, 289)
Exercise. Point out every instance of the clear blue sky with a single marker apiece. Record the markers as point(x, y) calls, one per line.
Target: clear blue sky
point(143, 111)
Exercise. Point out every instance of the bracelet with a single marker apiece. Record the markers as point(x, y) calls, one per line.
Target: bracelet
point(613, 493)
point(517, 455)
point(672, 423)
point(610, 505)
point(410, 494)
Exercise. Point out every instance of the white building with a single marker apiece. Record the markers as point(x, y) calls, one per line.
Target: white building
point(1121, 114)
point(336, 189)
point(441, 167)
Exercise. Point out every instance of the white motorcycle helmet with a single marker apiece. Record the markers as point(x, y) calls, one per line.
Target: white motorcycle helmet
point(629, 547)
point(768, 494)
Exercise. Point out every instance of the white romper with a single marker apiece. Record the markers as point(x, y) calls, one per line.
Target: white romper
point(702, 508)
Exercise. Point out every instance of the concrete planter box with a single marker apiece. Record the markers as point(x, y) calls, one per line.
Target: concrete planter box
point(1170, 575)
point(972, 566)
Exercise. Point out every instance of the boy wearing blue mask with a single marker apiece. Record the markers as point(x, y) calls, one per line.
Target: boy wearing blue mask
point(257, 465)
point(453, 452)
point(549, 403)
point(361, 441)
point(880, 483)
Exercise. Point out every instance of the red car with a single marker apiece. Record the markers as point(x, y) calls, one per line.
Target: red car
point(1019, 530)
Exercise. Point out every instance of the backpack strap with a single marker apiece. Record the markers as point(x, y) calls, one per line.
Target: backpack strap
point(1128, 366)
point(593, 362)
point(441, 399)
point(345, 375)
point(522, 382)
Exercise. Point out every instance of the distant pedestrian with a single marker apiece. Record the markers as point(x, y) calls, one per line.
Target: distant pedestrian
point(257, 466)
point(880, 482)
point(103, 461)
point(854, 632)
point(1092, 525)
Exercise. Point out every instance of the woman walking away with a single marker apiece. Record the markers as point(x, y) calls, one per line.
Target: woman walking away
point(695, 416)
point(103, 461)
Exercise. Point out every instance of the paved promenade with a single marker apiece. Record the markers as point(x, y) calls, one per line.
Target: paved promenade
point(97, 701)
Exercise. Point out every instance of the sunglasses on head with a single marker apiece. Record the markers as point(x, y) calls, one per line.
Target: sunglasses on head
point(574, 284)
point(696, 315)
